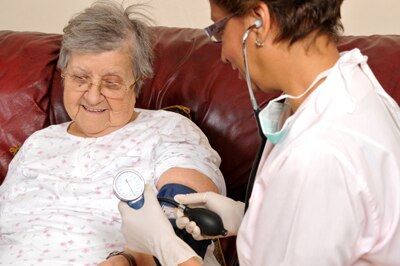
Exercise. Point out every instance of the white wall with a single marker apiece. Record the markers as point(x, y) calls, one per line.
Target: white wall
point(366, 17)
point(52, 15)
point(360, 17)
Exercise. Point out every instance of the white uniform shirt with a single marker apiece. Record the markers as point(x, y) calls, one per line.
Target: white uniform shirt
point(329, 192)
point(57, 203)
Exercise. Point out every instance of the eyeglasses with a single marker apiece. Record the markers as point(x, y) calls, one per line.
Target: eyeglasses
point(108, 86)
point(215, 31)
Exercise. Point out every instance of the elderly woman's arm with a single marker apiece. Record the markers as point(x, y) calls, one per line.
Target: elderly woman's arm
point(187, 177)
point(129, 258)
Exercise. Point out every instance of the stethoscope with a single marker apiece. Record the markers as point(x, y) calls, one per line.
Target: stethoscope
point(256, 110)
point(129, 185)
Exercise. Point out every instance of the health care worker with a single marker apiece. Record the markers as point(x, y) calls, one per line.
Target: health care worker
point(327, 190)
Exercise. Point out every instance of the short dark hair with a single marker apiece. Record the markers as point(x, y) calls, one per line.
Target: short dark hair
point(295, 19)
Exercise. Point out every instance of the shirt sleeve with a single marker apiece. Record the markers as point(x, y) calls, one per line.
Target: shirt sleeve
point(185, 145)
point(314, 210)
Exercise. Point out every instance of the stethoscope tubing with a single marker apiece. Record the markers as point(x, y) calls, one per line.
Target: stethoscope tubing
point(256, 109)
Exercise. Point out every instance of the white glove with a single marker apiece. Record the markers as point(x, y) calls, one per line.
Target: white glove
point(147, 230)
point(230, 211)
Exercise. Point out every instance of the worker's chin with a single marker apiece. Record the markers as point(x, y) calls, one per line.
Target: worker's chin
point(255, 87)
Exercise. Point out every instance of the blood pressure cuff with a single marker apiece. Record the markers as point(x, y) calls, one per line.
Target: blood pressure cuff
point(169, 191)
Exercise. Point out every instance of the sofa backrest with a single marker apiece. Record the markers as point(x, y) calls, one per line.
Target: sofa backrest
point(188, 72)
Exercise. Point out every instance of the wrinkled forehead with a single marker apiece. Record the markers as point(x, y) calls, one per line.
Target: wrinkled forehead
point(101, 63)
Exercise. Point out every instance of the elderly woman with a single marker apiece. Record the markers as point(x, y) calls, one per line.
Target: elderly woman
point(327, 189)
point(57, 201)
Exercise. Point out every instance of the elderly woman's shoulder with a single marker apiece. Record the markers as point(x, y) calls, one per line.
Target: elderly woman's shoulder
point(52, 130)
point(173, 114)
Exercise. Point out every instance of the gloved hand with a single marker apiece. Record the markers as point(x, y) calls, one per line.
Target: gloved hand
point(147, 230)
point(230, 211)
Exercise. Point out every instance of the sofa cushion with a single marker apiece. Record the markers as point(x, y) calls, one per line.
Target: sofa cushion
point(188, 71)
point(27, 66)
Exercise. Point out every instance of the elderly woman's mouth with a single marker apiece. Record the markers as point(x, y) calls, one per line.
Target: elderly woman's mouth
point(93, 109)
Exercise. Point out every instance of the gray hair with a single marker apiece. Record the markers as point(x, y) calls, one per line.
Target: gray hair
point(106, 26)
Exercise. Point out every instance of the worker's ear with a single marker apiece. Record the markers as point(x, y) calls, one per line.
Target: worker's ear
point(260, 17)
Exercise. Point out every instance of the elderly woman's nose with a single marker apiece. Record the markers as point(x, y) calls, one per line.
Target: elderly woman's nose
point(93, 95)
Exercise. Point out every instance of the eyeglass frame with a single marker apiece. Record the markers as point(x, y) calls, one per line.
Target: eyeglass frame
point(218, 27)
point(91, 83)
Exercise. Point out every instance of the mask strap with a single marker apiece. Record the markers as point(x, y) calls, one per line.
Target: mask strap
point(253, 101)
point(322, 75)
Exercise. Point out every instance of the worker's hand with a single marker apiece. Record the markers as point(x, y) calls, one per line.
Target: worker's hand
point(230, 211)
point(147, 230)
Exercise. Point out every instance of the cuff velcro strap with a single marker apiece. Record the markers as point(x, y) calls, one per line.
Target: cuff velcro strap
point(170, 190)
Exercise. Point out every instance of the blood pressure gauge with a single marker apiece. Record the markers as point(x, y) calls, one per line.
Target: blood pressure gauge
point(128, 186)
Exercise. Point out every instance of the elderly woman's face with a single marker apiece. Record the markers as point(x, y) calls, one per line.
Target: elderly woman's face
point(99, 92)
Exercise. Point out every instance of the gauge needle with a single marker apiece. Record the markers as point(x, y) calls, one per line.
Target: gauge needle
point(126, 180)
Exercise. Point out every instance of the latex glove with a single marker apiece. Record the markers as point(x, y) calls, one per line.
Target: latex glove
point(230, 211)
point(147, 230)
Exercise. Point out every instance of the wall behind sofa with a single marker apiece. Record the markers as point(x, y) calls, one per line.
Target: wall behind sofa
point(360, 17)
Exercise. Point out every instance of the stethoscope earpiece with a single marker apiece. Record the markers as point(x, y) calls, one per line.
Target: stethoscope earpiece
point(258, 23)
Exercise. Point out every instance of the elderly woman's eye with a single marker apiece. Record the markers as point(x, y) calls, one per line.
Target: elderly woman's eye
point(80, 78)
point(111, 85)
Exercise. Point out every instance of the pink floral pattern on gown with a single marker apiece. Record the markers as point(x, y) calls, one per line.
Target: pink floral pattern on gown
point(57, 205)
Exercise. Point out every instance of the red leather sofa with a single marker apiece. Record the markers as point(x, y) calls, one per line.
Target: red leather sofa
point(188, 72)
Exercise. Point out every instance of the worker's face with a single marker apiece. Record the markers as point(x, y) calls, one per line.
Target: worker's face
point(98, 92)
point(232, 33)
point(232, 38)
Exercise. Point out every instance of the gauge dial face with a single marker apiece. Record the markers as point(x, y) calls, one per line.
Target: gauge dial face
point(128, 185)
